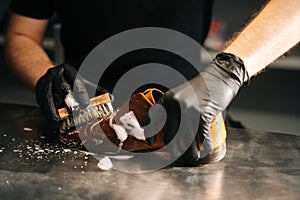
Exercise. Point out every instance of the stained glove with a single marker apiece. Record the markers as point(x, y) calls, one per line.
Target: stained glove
point(212, 91)
point(52, 88)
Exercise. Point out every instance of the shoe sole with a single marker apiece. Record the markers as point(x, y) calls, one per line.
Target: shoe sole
point(215, 156)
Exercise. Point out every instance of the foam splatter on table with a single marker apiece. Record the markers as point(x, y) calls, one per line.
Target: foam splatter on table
point(35, 165)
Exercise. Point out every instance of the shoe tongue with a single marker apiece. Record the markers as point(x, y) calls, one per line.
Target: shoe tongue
point(152, 95)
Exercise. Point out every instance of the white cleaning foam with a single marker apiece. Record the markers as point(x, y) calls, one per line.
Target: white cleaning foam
point(105, 163)
point(132, 126)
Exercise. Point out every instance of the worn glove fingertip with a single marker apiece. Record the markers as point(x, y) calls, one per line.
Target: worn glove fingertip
point(151, 140)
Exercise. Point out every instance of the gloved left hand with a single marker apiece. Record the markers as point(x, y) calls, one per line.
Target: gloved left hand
point(212, 91)
point(52, 88)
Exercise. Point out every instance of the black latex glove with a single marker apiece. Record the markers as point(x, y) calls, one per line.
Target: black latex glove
point(214, 88)
point(52, 88)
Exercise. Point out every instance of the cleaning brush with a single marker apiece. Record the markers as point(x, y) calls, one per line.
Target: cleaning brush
point(98, 107)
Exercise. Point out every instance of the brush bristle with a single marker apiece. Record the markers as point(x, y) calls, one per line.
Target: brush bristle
point(92, 114)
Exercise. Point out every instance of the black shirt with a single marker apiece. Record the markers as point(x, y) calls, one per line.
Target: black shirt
point(87, 23)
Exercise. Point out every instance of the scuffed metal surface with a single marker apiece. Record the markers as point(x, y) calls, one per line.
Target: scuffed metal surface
point(35, 165)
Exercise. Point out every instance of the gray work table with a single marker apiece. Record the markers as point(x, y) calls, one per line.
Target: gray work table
point(34, 165)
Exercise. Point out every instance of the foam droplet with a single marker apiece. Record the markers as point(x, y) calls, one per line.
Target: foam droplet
point(105, 163)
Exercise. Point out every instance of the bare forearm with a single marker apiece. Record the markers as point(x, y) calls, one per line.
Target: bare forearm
point(23, 50)
point(272, 33)
point(26, 58)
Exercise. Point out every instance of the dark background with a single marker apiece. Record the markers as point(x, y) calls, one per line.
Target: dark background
point(270, 102)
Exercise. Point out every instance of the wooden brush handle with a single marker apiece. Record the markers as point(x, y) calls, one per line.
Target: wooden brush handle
point(96, 101)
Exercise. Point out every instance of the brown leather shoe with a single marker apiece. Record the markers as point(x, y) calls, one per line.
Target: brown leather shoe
point(101, 137)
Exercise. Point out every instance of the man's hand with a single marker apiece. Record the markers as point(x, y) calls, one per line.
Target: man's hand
point(212, 91)
point(52, 88)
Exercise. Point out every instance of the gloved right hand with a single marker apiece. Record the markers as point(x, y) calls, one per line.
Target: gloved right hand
point(52, 88)
point(206, 95)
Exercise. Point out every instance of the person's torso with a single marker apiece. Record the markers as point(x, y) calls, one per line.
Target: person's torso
point(88, 23)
